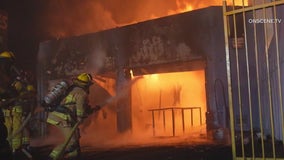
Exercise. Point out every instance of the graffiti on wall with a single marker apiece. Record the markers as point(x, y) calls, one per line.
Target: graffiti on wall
point(155, 50)
point(69, 60)
point(66, 63)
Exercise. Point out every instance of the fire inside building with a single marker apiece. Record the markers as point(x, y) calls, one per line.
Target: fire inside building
point(207, 76)
point(167, 77)
point(157, 73)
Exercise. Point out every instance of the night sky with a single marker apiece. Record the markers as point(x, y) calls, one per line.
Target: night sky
point(23, 31)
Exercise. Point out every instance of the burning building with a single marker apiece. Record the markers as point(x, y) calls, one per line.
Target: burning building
point(161, 77)
point(175, 76)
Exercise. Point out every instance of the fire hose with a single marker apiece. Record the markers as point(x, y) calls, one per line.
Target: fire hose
point(25, 122)
point(66, 142)
point(6, 102)
point(90, 111)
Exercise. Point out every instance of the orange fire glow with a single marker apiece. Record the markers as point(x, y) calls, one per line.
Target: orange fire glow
point(179, 89)
point(71, 18)
point(183, 6)
point(168, 90)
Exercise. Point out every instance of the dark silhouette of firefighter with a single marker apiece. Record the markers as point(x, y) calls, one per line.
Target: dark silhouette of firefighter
point(68, 114)
point(18, 112)
point(17, 101)
point(7, 72)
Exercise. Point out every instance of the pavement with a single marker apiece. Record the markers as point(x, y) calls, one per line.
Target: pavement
point(183, 152)
point(169, 152)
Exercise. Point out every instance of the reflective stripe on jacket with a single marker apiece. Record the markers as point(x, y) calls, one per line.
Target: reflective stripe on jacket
point(75, 101)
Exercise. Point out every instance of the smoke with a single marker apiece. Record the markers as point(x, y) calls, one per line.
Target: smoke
point(64, 18)
point(100, 127)
point(50, 138)
point(72, 17)
point(96, 59)
point(100, 131)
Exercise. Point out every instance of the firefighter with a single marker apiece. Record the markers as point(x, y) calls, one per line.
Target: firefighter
point(27, 100)
point(7, 73)
point(16, 113)
point(71, 110)
point(5, 150)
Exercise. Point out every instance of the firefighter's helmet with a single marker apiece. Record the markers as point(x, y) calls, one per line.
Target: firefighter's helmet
point(7, 54)
point(30, 88)
point(18, 85)
point(84, 79)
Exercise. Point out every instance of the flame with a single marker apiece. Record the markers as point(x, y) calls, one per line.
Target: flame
point(71, 18)
point(188, 8)
point(183, 6)
point(152, 77)
point(131, 73)
point(151, 91)
point(238, 2)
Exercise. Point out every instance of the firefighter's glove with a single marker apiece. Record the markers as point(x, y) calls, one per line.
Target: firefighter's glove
point(90, 110)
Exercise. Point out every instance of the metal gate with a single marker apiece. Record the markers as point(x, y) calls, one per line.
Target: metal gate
point(254, 45)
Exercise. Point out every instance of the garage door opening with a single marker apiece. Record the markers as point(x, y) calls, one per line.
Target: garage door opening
point(169, 104)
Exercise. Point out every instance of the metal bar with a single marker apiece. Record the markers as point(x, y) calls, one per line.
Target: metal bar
point(169, 108)
point(153, 122)
point(278, 72)
point(173, 119)
point(200, 116)
point(182, 114)
point(191, 116)
point(256, 7)
point(258, 85)
point(241, 158)
point(164, 120)
point(248, 83)
point(269, 86)
point(230, 101)
point(27, 153)
point(238, 84)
